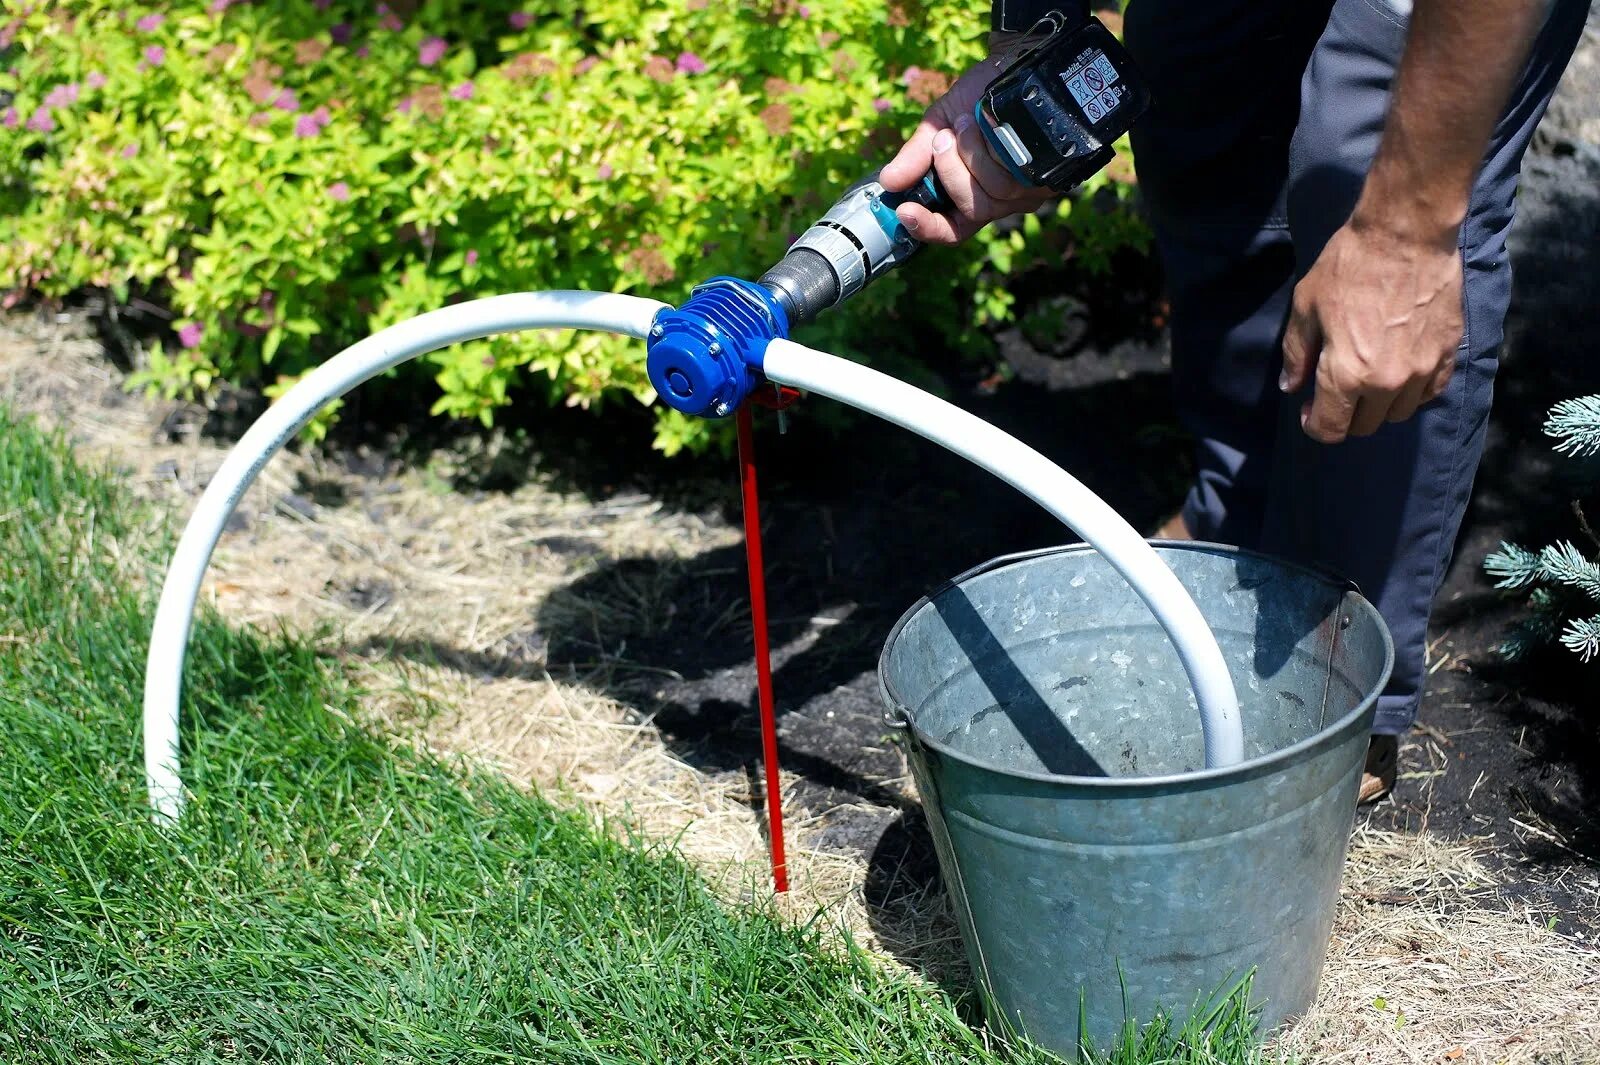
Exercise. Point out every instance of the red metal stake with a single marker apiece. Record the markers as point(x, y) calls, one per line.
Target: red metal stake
point(758, 624)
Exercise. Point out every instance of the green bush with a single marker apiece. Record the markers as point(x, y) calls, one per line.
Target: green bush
point(288, 177)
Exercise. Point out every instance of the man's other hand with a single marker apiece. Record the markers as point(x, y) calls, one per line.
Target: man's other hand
point(948, 141)
point(1376, 324)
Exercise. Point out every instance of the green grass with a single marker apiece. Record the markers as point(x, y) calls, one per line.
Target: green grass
point(333, 894)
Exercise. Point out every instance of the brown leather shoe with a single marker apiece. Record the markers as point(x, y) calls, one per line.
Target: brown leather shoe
point(1383, 762)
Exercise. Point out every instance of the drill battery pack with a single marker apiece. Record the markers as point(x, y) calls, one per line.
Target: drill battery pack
point(1054, 114)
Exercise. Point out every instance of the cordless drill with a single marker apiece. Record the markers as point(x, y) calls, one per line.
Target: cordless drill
point(1050, 119)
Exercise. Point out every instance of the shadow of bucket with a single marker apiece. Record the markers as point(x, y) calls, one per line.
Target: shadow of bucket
point(1098, 871)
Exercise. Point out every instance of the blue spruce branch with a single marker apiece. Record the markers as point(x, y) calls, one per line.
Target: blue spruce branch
point(1582, 637)
point(1565, 564)
point(1575, 424)
point(1515, 566)
point(1563, 583)
point(1539, 628)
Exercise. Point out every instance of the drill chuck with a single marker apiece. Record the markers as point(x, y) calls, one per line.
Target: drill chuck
point(803, 284)
point(858, 239)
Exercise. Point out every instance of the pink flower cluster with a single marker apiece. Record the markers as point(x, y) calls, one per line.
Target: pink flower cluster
point(150, 23)
point(339, 191)
point(431, 51)
point(189, 336)
point(64, 95)
point(462, 91)
point(689, 63)
point(388, 19)
point(312, 124)
point(520, 20)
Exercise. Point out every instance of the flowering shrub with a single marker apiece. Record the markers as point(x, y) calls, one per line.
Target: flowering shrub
point(288, 177)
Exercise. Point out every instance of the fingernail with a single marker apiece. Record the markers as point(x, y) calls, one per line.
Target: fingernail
point(910, 223)
point(1283, 381)
point(943, 141)
point(963, 123)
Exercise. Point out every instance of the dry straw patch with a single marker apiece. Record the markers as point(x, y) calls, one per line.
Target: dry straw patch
point(454, 583)
point(1426, 967)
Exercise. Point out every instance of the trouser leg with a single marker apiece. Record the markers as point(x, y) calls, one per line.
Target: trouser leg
point(1212, 157)
point(1214, 167)
point(1384, 510)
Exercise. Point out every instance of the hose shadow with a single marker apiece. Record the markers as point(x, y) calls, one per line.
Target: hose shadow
point(847, 555)
point(1052, 743)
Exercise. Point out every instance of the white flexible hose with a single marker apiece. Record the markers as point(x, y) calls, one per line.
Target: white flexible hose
point(1058, 492)
point(169, 638)
point(786, 363)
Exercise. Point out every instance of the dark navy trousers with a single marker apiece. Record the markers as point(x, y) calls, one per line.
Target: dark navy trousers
point(1267, 115)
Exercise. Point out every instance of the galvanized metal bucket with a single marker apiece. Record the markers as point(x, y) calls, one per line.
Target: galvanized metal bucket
point(1099, 872)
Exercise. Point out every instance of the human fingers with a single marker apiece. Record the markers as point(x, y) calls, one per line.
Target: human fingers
point(931, 228)
point(994, 178)
point(1326, 416)
point(1302, 345)
point(1413, 396)
point(1370, 412)
point(970, 207)
point(1441, 379)
point(915, 156)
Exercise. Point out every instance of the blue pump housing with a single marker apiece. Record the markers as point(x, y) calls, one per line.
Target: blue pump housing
point(704, 357)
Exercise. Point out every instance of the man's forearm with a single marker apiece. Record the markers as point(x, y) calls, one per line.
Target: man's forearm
point(1462, 58)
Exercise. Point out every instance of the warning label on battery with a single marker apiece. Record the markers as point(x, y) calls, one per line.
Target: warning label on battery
point(1092, 82)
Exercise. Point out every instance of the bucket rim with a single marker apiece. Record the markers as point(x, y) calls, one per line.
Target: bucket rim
point(1331, 734)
